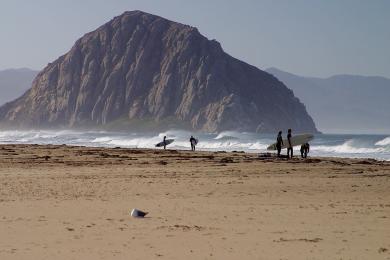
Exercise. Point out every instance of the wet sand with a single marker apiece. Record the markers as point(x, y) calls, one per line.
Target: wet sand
point(62, 202)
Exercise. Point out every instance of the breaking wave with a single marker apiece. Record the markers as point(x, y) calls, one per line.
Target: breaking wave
point(228, 135)
point(383, 142)
point(348, 147)
point(323, 145)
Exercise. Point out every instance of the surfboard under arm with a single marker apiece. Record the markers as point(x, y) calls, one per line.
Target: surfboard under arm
point(295, 141)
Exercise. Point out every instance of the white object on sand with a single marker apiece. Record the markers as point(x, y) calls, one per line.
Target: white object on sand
point(138, 213)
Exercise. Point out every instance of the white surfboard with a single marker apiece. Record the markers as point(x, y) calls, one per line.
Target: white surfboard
point(195, 141)
point(295, 140)
point(167, 141)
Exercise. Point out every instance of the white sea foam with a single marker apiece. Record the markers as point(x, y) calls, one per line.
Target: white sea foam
point(383, 142)
point(104, 139)
point(347, 147)
point(324, 145)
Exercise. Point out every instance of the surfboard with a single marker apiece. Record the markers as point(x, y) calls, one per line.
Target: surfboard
point(167, 141)
point(295, 140)
point(195, 142)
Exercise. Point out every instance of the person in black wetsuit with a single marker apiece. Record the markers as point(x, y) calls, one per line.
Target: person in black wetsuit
point(165, 143)
point(289, 144)
point(193, 143)
point(305, 148)
point(279, 142)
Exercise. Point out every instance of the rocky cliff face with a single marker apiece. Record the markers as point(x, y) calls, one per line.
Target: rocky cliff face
point(143, 68)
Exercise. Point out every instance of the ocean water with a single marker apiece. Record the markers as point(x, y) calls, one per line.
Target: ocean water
point(333, 145)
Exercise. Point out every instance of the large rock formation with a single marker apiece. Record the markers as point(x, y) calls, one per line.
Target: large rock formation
point(143, 70)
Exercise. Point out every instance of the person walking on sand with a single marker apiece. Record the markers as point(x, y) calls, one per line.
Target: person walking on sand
point(289, 144)
point(193, 143)
point(279, 142)
point(165, 143)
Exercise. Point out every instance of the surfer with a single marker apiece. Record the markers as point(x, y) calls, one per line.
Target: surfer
point(289, 144)
point(193, 143)
point(305, 148)
point(165, 143)
point(279, 142)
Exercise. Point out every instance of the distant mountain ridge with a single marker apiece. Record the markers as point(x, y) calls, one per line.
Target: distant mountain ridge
point(343, 103)
point(143, 71)
point(14, 82)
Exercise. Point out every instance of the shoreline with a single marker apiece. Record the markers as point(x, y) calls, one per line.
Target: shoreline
point(341, 146)
point(262, 154)
point(74, 202)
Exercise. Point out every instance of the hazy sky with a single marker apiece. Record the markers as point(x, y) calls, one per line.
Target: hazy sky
point(306, 37)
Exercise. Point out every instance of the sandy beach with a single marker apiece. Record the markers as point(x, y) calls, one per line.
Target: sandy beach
point(63, 202)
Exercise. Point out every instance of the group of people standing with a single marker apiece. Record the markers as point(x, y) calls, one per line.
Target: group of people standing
point(305, 148)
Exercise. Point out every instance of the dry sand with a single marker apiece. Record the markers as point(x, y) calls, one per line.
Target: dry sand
point(61, 202)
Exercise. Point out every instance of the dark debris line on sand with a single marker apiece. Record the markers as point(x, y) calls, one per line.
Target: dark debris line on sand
point(90, 156)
